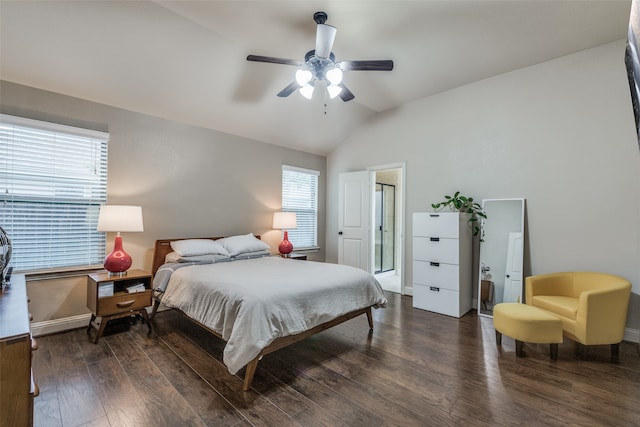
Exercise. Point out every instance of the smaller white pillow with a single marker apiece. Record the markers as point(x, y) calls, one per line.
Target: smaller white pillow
point(193, 247)
point(210, 258)
point(236, 245)
point(255, 254)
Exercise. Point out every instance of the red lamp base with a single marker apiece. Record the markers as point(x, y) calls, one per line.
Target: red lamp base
point(285, 246)
point(117, 262)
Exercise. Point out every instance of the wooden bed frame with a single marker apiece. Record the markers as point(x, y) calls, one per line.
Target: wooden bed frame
point(163, 247)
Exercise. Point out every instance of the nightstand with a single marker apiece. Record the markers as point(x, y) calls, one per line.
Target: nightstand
point(301, 257)
point(108, 297)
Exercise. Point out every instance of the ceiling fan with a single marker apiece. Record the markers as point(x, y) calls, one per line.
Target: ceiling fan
point(320, 65)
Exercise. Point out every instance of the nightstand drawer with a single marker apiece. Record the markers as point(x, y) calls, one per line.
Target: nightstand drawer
point(122, 303)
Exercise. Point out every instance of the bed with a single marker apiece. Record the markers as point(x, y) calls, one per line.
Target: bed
point(256, 302)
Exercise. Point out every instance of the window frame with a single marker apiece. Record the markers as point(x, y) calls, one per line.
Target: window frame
point(302, 214)
point(60, 193)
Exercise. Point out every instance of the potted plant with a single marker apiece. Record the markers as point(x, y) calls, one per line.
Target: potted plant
point(460, 203)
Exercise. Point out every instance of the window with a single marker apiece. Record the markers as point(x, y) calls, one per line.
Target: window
point(300, 195)
point(53, 179)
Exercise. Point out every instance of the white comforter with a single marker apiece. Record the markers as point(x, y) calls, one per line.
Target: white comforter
point(252, 302)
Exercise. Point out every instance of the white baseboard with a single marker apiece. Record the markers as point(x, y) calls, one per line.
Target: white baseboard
point(67, 323)
point(632, 335)
point(58, 325)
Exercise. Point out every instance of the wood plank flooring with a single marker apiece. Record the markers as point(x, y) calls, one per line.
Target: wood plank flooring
point(415, 368)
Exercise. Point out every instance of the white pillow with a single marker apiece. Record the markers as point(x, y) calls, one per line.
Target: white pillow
point(193, 247)
point(236, 245)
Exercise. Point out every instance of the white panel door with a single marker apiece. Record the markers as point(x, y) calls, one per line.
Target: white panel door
point(353, 219)
point(513, 274)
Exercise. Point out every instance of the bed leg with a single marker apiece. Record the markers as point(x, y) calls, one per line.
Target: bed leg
point(370, 318)
point(248, 375)
point(156, 304)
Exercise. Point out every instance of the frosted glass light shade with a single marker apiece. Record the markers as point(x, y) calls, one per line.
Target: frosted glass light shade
point(285, 220)
point(120, 218)
point(303, 77)
point(334, 91)
point(334, 75)
point(307, 91)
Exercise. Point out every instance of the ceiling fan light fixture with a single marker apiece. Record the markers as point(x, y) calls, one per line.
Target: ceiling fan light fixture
point(307, 91)
point(334, 75)
point(303, 77)
point(325, 36)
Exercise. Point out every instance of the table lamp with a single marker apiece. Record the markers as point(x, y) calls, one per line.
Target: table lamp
point(118, 218)
point(285, 221)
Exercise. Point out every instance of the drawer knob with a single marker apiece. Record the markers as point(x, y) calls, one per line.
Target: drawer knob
point(434, 239)
point(434, 264)
point(125, 304)
point(433, 288)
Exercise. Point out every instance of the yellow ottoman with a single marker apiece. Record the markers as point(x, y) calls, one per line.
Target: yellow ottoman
point(525, 323)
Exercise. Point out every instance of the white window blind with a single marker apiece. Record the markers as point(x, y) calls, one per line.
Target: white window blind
point(53, 179)
point(300, 195)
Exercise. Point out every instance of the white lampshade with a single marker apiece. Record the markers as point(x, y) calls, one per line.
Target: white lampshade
point(285, 220)
point(307, 91)
point(303, 77)
point(119, 218)
point(334, 75)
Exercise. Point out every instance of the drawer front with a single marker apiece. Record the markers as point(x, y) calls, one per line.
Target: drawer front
point(436, 250)
point(430, 224)
point(436, 274)
point(123, 303)
point(438, 300)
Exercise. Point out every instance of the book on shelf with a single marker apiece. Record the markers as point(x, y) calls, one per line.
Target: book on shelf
point(137, 287)
point(105, 289)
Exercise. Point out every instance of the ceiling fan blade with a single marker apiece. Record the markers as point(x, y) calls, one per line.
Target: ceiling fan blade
point(325, 35)
point(372, 65)
point(272, 60)
point(293, 86)
point(345, 94)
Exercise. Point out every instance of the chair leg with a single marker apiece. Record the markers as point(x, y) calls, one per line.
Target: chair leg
point(554, 351)
point(498, 339)
point(519, 347)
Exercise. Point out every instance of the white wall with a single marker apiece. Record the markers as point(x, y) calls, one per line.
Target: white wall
point(560, 134)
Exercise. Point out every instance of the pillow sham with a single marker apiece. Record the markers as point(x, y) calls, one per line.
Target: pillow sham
point(254, 254)
point(236, 245)
point(176, 257)
point(193, 247)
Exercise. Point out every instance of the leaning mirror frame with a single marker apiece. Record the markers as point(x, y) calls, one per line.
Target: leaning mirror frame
point(502, 244)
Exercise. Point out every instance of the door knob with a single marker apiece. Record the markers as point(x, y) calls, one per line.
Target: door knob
point(507, 276)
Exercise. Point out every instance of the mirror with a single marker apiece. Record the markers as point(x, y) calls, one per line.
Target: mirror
point(501, 254)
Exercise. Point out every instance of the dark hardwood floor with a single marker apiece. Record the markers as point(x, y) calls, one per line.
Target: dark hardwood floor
point(415, 368)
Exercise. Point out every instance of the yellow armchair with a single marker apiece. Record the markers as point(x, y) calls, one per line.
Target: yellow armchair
point(592, 306)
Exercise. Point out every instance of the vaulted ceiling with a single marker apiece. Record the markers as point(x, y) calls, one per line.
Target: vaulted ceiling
point(186, 60)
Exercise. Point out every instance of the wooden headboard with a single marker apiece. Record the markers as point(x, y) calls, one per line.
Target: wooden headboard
point(163, 247)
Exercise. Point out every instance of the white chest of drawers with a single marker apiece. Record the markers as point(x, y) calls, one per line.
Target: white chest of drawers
point(442, 263)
